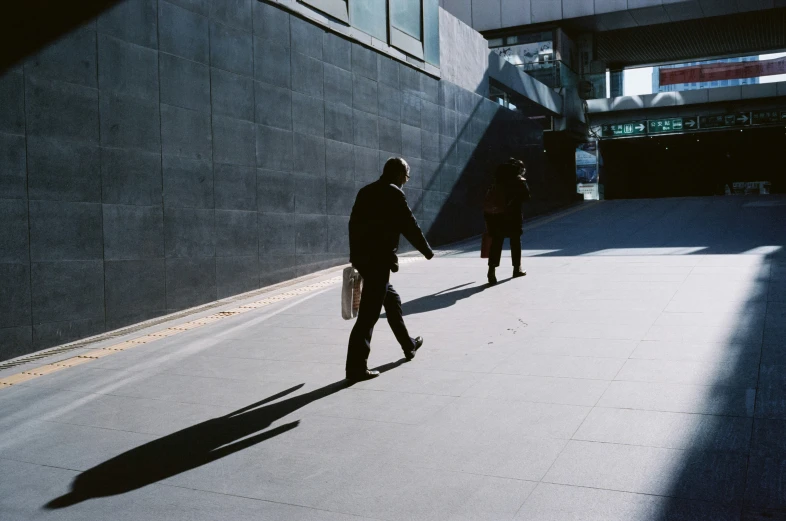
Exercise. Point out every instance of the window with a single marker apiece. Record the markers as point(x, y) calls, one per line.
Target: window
point(369, 17)
point(405, 26)
point(335, 8)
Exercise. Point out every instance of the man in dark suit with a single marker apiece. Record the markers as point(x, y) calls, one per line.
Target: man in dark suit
point(380, 215)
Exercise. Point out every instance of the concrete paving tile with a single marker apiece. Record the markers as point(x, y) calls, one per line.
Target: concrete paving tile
point(697, 334)
point(708, 476)
point(764, 490)
point(578, 347)
point(712, 305)
point(409, 378)
point(695, 352)
point(740, 373)
point(32, 487)
point(710, 319)
point(561, 366)
point(567, 391)
point(769, 436)
point(381, 406)
point(72, 447)
point(550, 502)
point(579, 330)
point(665, 429)
point(771, 402)
point(668, 397)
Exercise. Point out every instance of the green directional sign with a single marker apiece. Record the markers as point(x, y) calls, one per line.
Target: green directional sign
point(725, 120)
point(762, 117)
point(634, 128)
point(659, 126)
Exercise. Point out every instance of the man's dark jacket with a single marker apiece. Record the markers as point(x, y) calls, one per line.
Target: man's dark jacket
point(380, 215)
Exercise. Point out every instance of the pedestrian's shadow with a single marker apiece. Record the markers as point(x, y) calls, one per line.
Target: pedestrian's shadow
point(194, 446)
point(443, 299)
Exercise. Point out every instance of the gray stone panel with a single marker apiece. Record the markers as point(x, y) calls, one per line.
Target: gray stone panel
point(135, 291)
point(273, 106)
point(190, 282)
point(338, 122)
point(130, 177)
point(364, 61)
point(236, 233)
point(188, 183)
point(62, 110)
point(57, 333)
point(366, 165)
point(410, 141)
point(274, 148)
point(467, 102)
point(134, 21)
point(447, 95)
point(340, 196)
point(448, 150)
point(271, 23)
point(183, 33)
point(275, 268)
point(198, 6)
point(130, 122)
point(311, 234)
point(338, 85)
point(13, 167)
point(387, 71)
point(272, 62)
point(276, 234)
point(12, 103)
point(308, 115)
point(409, 79)
point(65, 231)
point(429, 88)
point(185, 133)
point(133, 232)
point(309, 154)
point(429, 117)
point(184, 83)
point(310, 194)
point(233, 141)
point(336, 51)
point(415, 172)
point(67, 291)
point(189, 232)
point(63, 170)
point(127, 69)
point(364, 94)
point(71, 58)
point(15, 341)
point(306, 37)
point(235, 13)
point(411, 110)
point(231, 49)
point(430, 146)
point(235, 275)
point(235, 187)
point(447, 122)
point(415, 201)
point(338, 235)
point(307, 75)
point(339, 160)
point(390, 136)
point(389, 101)
point(14, 245)
point(232, 95)
point(276, 191)
point(366, 131)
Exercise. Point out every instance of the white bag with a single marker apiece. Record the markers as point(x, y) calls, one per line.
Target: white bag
point(351, 289)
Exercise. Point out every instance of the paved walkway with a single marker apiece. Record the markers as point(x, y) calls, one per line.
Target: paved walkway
point(636, 373)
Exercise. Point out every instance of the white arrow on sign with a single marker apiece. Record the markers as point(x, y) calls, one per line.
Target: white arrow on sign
point(743, 118)
point(640, 127)
point(690, 123)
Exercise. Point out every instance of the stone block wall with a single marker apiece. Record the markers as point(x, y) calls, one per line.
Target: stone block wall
point(173, 152)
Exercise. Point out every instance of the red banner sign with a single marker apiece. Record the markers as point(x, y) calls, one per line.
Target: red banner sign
point(722, 71)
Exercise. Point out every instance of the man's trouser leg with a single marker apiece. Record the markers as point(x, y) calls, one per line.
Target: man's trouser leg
point(396, 319)
point(515, 250)
point(496, 250)
point(375, 286)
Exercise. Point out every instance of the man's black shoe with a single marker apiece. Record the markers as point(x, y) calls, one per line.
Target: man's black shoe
point(360, 376)
point(411, 353)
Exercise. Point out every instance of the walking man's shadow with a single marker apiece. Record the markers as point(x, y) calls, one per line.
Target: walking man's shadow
point(194, 446)
point(443, 299)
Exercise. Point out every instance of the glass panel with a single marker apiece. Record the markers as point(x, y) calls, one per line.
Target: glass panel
point(405, 16)
point(431, 30)
point(370, 16)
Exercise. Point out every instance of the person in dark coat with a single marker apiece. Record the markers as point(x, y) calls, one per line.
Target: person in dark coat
point(509, 191)
point(380, 215)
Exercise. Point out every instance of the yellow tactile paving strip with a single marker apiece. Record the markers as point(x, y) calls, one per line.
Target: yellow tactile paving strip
point(125, 345)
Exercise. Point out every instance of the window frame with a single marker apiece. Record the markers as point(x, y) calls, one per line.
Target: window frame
point(403, 41)
point(338, 9)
